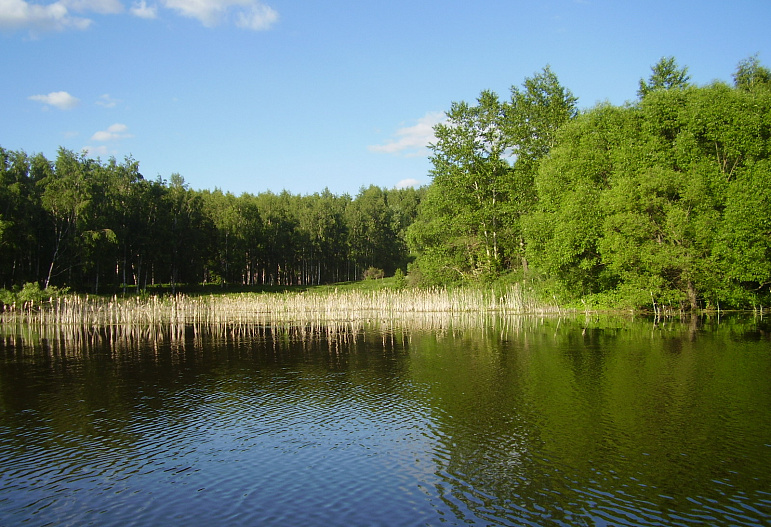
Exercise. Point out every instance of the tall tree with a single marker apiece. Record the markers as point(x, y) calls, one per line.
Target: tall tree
point(65, 196)
point(469, 173)
point(485, 159)
point(750, 74)
point(371, 240)
point(665, 75)
point(533, 118)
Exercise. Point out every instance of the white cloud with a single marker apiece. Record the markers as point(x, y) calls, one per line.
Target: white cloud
point(58, 15)
point(59, 99)
point(105, 7)
point(18, 14)
point(412, 141)
point(258, 18)
point(97, 151)
point(142, 10)
point(105, 101)
point(249, 14)
point(410, 182)
point(113, 133)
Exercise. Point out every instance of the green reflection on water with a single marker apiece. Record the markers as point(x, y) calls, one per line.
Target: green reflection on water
point(549, 420)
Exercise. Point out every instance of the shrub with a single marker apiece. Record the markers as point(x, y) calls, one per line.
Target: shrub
point(400, 281)
point(30, 292)
point(373, 273)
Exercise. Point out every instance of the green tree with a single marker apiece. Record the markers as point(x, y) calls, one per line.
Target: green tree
point(464, 214)
point(323, 231)
point(20, 217)
point(564, 229)
point(65, 196)
point(371, 240)
point(662, 199)
point(743, 247)
point(533, 118)
point(485, 160)
point(191, 233)
point(750, 74)
point(666, 75)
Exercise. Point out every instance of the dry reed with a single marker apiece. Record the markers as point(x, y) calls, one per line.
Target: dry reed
point(339, 317)
point(261, 308)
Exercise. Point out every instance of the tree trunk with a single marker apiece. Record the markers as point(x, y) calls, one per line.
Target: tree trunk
point(692, 298)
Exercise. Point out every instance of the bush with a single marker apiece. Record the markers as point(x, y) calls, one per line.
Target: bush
point(373, 273)
point(400, 281)
point(30, 292)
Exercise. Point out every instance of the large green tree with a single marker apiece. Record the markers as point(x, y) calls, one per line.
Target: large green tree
point(662, 201)
point(666, 74)
point(484, 163)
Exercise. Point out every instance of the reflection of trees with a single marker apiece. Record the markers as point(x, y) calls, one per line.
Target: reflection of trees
point(522, 417)
point(552, 421)
point(86, 385)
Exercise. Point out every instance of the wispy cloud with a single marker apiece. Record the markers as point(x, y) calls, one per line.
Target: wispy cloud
point(105, 101)
point(257, 18)
point(103, 7)
point(97, 151)
point(113, 133)
point(64, 15)
point(248, 14)
point(410, 182)
point(412, 141)
point(18, 14)
point(142, 10)
point(57, 99)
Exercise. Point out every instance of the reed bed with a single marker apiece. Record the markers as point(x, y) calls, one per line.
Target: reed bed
point(266, 308)
point(78, 340)
point(77, 323)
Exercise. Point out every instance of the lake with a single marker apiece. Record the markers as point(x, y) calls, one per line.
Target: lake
point(583, 420)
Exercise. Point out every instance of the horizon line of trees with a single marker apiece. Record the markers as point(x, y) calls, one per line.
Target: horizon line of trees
point(666, 199)
point(102, 227)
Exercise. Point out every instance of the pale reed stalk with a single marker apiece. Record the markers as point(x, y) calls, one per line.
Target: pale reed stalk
point(337, 315)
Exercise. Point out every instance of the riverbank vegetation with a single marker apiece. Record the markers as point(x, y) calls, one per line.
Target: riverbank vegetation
point(661, 203)
point(664, 200)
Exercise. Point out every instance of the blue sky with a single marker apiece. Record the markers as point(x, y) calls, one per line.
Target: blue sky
point(253, 95)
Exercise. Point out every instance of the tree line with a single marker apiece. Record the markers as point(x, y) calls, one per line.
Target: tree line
point(102, 227)
point(665, 199)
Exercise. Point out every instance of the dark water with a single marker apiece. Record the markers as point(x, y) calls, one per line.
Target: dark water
point(528, 422)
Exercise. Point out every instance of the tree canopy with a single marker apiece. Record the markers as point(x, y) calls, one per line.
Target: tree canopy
point(664, 199)
point(102, 227)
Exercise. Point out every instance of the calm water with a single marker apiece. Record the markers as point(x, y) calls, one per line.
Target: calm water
point(528, 422)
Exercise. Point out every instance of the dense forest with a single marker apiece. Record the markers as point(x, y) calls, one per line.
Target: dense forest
point(665, 199)
point(102, 227)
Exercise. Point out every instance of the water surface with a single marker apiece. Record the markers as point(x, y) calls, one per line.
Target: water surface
point(521, 422)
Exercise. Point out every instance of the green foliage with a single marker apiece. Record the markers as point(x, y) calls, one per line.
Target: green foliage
point(665, 75)
point(400, 281)
point(101, 227)
point(665, 201)
point(30, 294)
point(468, 227)
point(750, 74)
point(373, 273)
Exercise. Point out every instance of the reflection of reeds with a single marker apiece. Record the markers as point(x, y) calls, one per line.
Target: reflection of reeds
point(297, 308)
point(79, 339)
point(78, 323)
